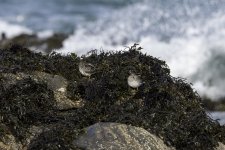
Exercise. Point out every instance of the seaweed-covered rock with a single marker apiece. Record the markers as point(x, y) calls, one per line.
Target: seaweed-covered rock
point(55, 83)
point(23, 103)
point(163, 105)
point(120, 137)
point(55, 137)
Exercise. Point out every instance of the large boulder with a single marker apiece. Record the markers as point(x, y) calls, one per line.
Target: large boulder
point(115, 136)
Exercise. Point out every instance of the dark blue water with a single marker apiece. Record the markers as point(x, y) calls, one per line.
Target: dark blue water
point(56, 15)
point(188, 34)
point(65, 15)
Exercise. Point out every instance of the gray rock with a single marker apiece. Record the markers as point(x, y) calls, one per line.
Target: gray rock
point(220, 147)
point(8, 141)
point(115, 136)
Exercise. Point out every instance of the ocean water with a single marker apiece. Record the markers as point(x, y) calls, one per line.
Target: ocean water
point(188, 34)
point(219, 116)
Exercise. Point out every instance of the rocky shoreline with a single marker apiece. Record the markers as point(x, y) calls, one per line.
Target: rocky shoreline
point(32, 41)
point(46, 103)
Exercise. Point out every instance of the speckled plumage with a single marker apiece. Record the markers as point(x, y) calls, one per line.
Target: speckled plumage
point(86, 69)
point(134, 80)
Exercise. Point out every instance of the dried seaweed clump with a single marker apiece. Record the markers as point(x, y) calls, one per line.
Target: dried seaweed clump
point(163, 105)
point(59, 137)
point(24, 104)
point(19, 59)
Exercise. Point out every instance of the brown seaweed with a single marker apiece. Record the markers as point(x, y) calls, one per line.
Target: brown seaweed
point(163, 105)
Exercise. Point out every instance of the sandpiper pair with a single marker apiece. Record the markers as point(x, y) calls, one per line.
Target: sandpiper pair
point(87, 69)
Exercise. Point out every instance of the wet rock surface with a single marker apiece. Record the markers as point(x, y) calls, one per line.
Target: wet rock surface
point(212, 105)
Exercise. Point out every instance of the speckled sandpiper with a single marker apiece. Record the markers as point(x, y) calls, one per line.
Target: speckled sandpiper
point(134, 80)
point(86, 69)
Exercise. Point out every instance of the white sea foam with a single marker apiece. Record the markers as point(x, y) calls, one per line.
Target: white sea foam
point(219, 116)
point(20, 18)
point(12, 30)
point(45, 34)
